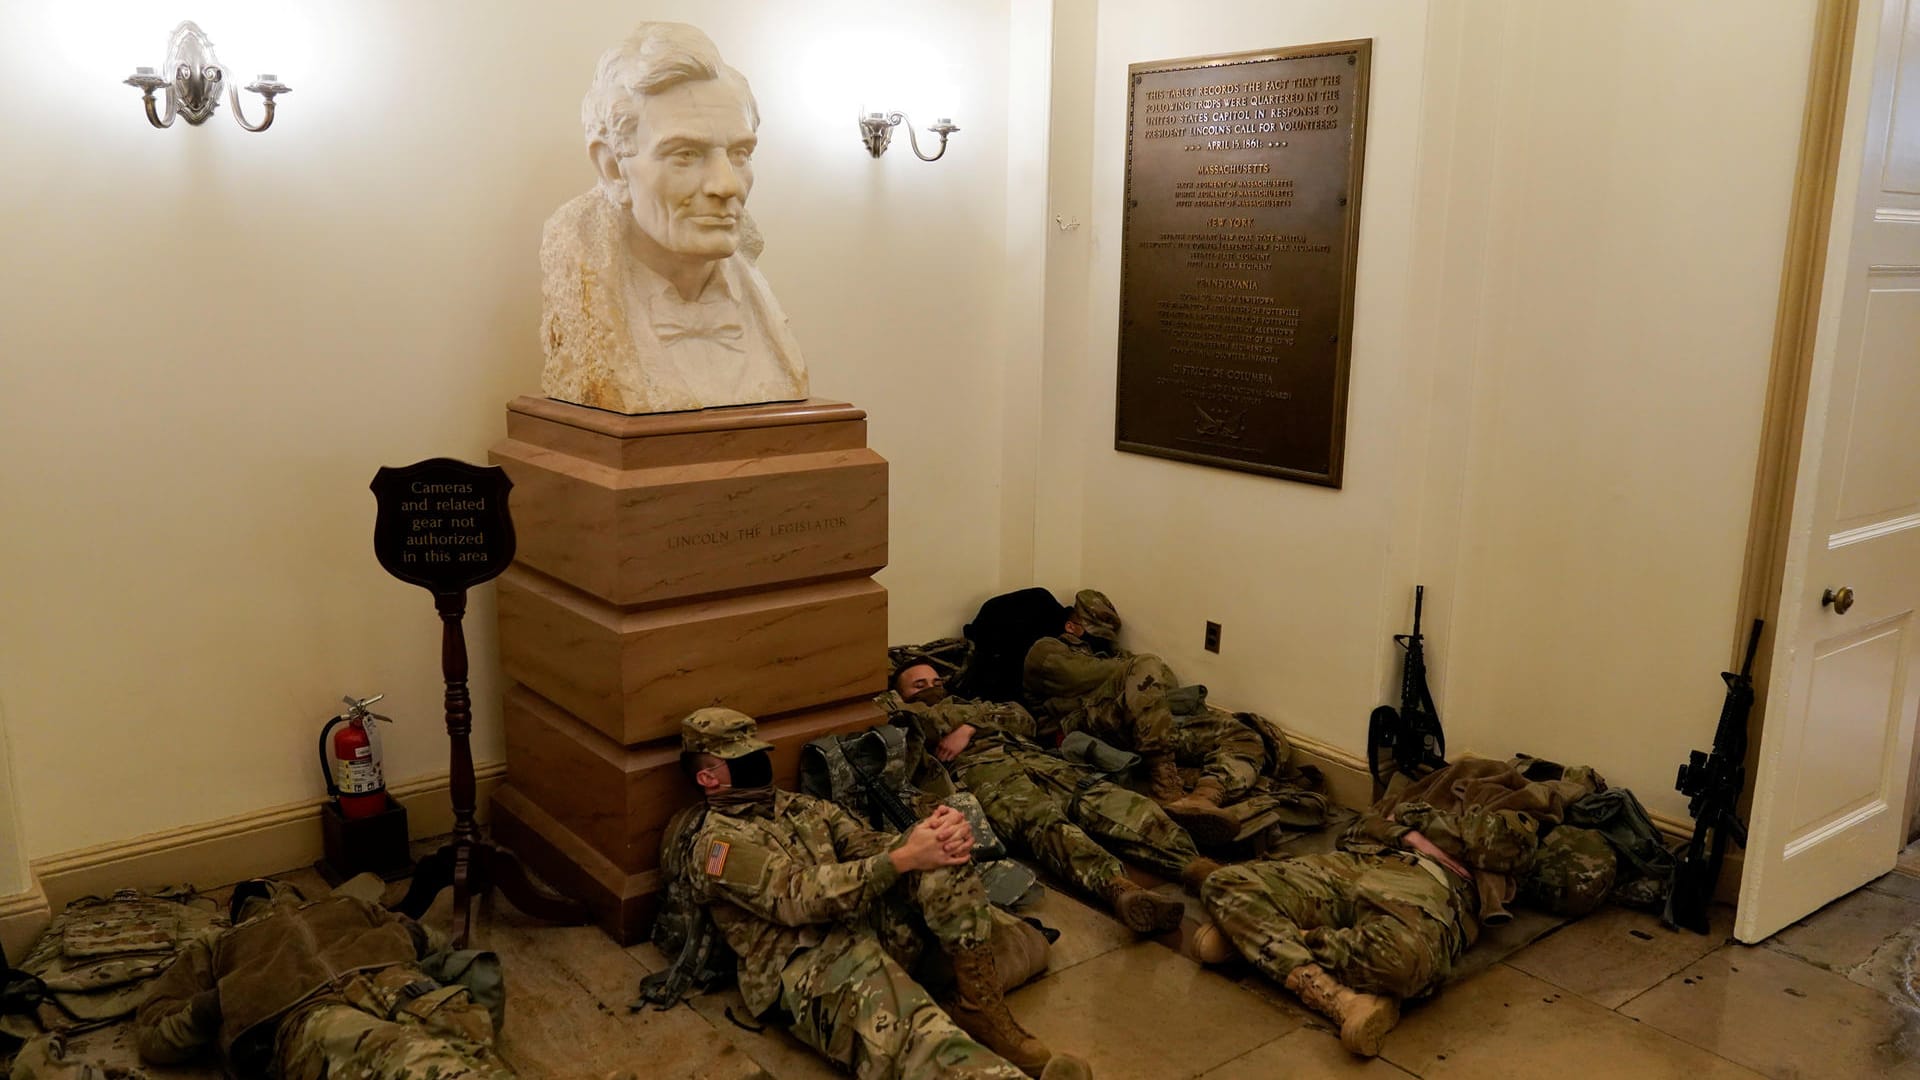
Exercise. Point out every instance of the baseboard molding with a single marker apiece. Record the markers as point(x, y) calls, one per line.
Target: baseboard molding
point(21, 918)
point(1349, 784)
point(233, 849)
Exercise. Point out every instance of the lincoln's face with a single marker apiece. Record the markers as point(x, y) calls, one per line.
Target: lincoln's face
point(692, 168)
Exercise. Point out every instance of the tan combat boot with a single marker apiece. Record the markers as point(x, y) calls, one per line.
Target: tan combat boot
point(1364, 1019)
point(1195, 873)
point(1164, 785)
point(1200, 814)
point(1209, 945)
point(1067, 1067)
point(1143, 912)
point(978, 1005)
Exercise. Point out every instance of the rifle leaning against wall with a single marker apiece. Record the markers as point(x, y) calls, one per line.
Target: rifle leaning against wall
point(1408, 740)
point(1713, 782)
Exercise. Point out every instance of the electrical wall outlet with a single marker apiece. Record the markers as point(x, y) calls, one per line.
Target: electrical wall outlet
point(1213, 636)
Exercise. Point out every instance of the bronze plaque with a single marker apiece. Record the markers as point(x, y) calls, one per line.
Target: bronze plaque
point(1237, 258)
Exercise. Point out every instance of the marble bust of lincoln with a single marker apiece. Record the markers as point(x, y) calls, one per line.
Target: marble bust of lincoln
point(652, 302)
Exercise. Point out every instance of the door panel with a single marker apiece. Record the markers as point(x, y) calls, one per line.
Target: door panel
point(1855, 696)
point(1837, 747)
point(1902, 172)
point(1881, 478)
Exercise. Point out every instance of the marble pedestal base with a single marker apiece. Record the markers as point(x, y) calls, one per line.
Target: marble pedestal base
point(665, 563)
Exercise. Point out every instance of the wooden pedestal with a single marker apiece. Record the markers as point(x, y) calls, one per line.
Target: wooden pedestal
point(665, 563)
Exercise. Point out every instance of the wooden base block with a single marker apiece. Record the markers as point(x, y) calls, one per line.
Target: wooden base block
point(634, 675)
point(623, 904)
point(607, 805)
point(643, 510)
point(667, 563)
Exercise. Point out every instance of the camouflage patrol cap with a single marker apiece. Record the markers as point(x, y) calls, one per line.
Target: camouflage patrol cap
point(723, 733)
point(1095, 613)
point(1572, 874)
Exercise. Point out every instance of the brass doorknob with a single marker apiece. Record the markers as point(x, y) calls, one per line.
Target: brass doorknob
point(1841, 599)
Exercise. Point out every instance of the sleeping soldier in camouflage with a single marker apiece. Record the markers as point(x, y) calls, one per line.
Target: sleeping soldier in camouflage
point(1354, 932)
point(821, 911)
point(315, 990)
point(1060, 811)
point(1478, 795)
point(1084, 681)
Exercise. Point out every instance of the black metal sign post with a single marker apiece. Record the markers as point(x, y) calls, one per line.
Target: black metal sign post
point(443, 525)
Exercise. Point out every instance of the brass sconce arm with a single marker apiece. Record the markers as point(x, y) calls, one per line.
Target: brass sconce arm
point(876, 130)
point(266, 86)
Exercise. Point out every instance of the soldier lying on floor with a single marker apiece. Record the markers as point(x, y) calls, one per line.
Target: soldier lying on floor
point(1060, 812)
point(308, 990)
point(1083, 681)
point(1476, 789)
point(826, 916)
point(1355, 932)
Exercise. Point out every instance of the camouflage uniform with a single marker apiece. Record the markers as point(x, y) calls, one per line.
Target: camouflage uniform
point(307, 991)
point(1489, 814)
point(824, 926)
point(1387, 924)
point(1389, 921)
point(370, 1026)
point(1061, 812)
point(1121, 698)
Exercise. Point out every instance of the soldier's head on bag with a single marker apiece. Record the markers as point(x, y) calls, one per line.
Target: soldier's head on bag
point(1094, 614)
point(920, 683)
point(721, 748)
point(1572, 873)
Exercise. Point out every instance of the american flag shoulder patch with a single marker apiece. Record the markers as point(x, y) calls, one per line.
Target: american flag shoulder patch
point(717, 857)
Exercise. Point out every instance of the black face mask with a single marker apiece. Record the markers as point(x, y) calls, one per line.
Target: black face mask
point(751, 770)
point(932, 695)
point(1102, 645)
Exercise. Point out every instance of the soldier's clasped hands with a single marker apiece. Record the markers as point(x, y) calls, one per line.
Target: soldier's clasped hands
point(943, 838)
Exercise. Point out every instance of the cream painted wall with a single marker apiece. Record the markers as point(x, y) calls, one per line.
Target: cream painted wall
point(14, 877)
point(1295, 574)
point(1636, 227)
point(1571, 236)
point(210, 340)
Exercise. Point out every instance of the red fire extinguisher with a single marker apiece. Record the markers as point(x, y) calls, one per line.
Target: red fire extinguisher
point(350, 760)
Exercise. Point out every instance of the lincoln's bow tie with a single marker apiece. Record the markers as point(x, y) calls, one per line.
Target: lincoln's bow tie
point(690, 321)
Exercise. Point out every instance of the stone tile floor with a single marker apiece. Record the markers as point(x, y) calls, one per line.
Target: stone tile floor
point(1613, 995)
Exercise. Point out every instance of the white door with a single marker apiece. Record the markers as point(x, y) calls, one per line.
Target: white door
point(1844, 694)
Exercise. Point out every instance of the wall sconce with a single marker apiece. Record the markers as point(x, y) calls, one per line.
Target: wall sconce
point(194, 80)
point(876, 130)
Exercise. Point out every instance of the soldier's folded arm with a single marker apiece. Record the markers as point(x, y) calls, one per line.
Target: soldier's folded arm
point(854, 840)
point(1001, 716)
point(932, 724)
point(767, 883)
point(181, 1015)
point(1053, 669)
point(1373, 828)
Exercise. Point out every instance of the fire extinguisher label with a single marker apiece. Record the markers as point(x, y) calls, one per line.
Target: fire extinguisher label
point(357, 777)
